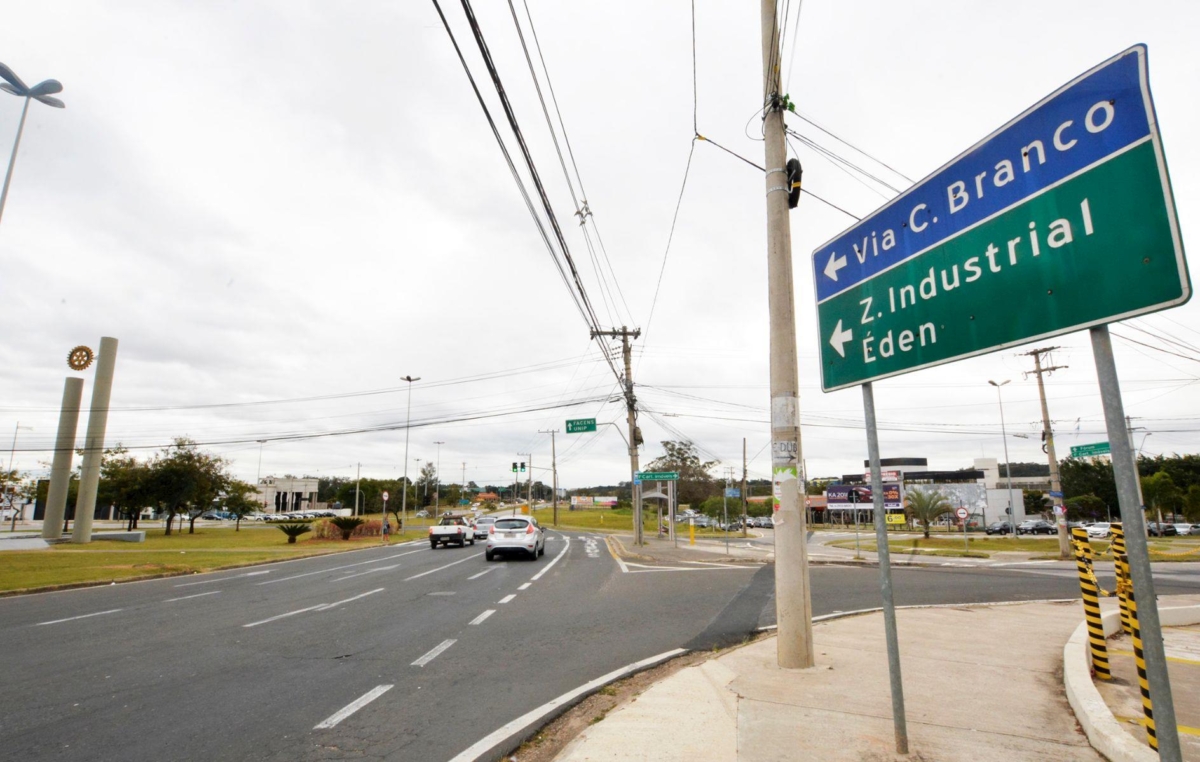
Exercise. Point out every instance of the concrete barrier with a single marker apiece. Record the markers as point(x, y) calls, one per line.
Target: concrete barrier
point(136, 535)
point(1103, 730)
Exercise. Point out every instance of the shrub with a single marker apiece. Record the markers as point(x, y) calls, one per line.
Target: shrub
point(294, 530)
point(347, 524)
point(326, 530)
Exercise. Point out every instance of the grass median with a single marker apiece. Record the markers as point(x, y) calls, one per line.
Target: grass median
point(618, 520)
point(209, 549)
point(1169, 549)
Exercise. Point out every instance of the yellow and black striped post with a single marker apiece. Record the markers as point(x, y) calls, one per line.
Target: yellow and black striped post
point(1143, 682)
point(1121, 570)
point(1091, 603)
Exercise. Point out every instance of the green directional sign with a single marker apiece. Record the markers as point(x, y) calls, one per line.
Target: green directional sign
point(658, 476)
point(581, 425)
point(1060, 220)
point(1090, 450)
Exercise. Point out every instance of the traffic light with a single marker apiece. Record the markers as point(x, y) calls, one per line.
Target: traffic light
point(514, 468)
point(522, 467)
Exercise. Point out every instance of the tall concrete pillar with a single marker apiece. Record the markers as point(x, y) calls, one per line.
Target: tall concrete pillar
point(64, 450)
point(93, 444)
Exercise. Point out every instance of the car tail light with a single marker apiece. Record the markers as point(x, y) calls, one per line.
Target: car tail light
point(492, 529)
point(430, 531)
point(529, 529)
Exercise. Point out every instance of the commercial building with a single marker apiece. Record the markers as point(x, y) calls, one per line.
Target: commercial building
point(287, 494)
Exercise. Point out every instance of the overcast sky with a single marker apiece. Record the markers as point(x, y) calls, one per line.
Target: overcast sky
point(269, 202)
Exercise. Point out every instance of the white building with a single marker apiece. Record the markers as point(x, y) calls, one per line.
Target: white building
point(287, 494)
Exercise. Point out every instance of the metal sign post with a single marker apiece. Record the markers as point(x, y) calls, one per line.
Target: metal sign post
point(899, 722)
point(962, 514)
point(1134, 523)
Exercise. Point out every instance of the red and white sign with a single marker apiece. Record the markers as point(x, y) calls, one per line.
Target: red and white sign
point(962, 513)
point(888, 476)
point(385, 496)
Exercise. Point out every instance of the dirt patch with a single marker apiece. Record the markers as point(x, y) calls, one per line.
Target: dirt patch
point(549, 741)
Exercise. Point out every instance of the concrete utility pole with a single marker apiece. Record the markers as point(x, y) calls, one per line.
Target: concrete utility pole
point(93, 443)
point(437, 487)
point(1060, 510)
point(635, 434)
point(404, 486)
point(745, 494)
point(258, 474)
point(793, 600)
point(553, 469)
point(462, 493)
point(357, 487)
point(1137, 452)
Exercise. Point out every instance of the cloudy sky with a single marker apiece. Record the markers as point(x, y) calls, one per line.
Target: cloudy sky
point(281, 208)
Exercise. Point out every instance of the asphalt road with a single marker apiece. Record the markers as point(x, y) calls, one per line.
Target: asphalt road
point(290, 661)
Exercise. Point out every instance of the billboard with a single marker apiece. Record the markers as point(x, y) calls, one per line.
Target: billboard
point(593, 501)
point(968, 495)
point(838, 495)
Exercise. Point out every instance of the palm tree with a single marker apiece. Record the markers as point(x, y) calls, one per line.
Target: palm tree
point(294, 530)
point(927, 507)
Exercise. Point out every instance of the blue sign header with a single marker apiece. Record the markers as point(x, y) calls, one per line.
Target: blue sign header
point(1100, 113)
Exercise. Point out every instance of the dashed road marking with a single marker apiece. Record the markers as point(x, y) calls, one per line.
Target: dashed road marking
point(480, 574)
point(196, 595)
point(507, 598)
point(353, 707)
point(447, 566)
point(480, 619)
point(525, 586)
point(81, 616)
point(318, 607)
point(434, 653)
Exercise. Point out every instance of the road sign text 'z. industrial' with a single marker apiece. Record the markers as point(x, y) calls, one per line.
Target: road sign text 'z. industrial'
point(1060, 220)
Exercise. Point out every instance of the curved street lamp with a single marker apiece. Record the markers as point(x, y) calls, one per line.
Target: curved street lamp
point(42, 92)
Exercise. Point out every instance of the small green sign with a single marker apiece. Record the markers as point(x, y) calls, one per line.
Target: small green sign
point(581, 425)
point(1090, 450)
point(658, 476)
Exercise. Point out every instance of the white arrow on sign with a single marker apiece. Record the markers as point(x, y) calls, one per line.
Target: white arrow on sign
point(840, 337)
point(835, 263)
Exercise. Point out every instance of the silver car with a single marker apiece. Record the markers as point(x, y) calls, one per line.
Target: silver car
point(482, 525)
point(515, 534)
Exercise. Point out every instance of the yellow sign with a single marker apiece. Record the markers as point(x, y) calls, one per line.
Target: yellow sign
point(895, 518)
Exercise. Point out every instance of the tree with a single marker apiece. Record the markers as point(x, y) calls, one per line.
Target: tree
point(347, 524)
point(927, 507)
point(241, 499)
point(1159, 492)
point(1035, 501)
point(1191, 503)
point(330, 486)
point(1088, 476)
point(123, 484)
point(695, 483)
point(425, 483)
point(184, 479)
point(1086, 507)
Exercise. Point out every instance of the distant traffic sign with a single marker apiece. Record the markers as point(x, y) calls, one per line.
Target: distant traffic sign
point(733, 492)
point(658, 476)
point(1090, 450)
point(962, 513)
point(1060, 220)
point(581, 425)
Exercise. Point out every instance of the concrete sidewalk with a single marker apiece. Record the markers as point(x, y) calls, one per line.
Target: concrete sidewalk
point(980, 682)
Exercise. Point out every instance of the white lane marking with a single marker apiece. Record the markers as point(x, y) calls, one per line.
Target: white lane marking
point(447, 566)
point(353, 707)
point(480, 574)
point(433, 654)
point(525, 586)
point(328, 606)
point(479, 619)
point(485, 744)
point(507, 598)
point(223, 579)
point(318, 607)
point(285, 616)
point(196, 595)
point(591, 547)
point(81, 616)
point(368, 571)
point(339, 568)
point(549, 566)
point(447, 593)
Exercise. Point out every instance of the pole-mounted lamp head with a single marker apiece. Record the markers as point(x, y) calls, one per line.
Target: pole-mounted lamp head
point(42, 91)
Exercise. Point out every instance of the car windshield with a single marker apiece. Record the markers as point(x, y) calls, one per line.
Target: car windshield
point(512, 524)
point(485, 520)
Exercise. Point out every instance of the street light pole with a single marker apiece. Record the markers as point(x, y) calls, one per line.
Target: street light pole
point(407, 420)
point(1012, 507)
point(13, 450)
point(258, 474)
point(40, 92)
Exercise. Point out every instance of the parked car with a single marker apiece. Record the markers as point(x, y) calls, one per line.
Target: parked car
point(482, 525)
point(422, 514)
point(1099, 531)
point(1183, 529)
point(999, 527)
point(1161, 530)
point(515, 534)
point(1036, 526)
point(1195, 530)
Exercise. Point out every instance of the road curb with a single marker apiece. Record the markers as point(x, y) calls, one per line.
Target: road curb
point(1103, 730)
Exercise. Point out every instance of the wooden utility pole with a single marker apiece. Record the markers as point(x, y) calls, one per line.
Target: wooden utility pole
point(793, 601)
point(1056, 495)
point(635, 434)
point(553, 469)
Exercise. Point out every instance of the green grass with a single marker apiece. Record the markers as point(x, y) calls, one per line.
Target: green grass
point(208, 549)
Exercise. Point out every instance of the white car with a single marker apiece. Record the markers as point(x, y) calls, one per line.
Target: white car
point(515, 534)
point(1099, 531)
point(1183, 529)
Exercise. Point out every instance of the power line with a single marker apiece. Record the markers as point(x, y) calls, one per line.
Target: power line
point(845, 142)
point(670, 237)
point(1151, 346)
